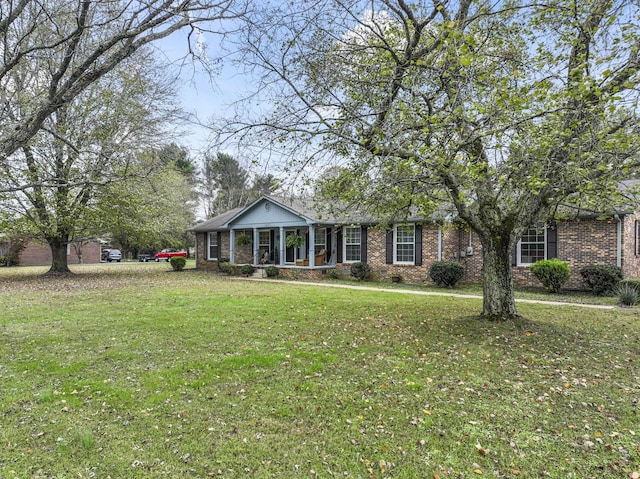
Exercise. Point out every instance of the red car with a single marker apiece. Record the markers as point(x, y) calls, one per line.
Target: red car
point(168, 253)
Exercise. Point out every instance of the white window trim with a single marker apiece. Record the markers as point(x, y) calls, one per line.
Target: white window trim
point(395, 244)
point(519, 250)
point(344, 245)
point(209, 236)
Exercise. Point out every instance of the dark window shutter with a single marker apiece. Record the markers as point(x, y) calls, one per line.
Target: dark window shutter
point(363, 244)
point(389, 247)
point(339, 247)
point(418, 245)
point(219, 245)
point(552, 242)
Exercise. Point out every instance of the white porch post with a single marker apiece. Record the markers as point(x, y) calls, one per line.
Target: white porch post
point(334, 246)
point(283, 251)
point(256, 246)
point(232, 246)
point(311, 245)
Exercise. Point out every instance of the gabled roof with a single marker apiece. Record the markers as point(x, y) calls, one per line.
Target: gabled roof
point(299, 207)
point(217, 223)
point(305, 208)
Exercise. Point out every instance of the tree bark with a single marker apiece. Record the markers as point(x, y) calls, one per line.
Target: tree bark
point(499, 301)
point(59, 263)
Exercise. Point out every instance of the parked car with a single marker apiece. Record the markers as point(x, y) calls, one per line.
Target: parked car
point(111, 254)
point(145, 257)
point(168, 253)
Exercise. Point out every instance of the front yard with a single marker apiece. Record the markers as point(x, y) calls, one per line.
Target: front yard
point(127, 371)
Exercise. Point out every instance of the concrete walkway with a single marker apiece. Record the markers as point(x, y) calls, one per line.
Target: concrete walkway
point(426, 293)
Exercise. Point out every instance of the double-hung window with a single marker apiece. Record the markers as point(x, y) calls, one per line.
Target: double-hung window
point(212, 246)
point(320, 240)
point(404, 244)
point(264, 245)
point(532, 246)
point(352, 241)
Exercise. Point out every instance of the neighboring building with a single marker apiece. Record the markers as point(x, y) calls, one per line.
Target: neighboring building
point(407, 249)
point(38, 253)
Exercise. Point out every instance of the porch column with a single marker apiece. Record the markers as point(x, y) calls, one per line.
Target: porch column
point(256, 246)
point(232, 246)
point(283, 251)
point(334, 246)
point(312, 245)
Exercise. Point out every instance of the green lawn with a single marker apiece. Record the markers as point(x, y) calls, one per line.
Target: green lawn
point(135, 371)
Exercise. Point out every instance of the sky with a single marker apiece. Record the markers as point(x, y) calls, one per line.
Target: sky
point(197, 94)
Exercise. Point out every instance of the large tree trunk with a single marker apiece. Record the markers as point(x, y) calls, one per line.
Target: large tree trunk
point(59, 263)
point(499, 302)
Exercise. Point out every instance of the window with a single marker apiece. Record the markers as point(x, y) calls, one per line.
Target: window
point(264, 244)
point(213, 246)
point(320, 240)
point(352, 239)
point(532, 246)
point(404, 244)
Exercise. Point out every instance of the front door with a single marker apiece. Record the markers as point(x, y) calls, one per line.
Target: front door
point(291, 253)
point(265, 252)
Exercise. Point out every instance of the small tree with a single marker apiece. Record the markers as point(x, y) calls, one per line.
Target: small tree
point(552, 273)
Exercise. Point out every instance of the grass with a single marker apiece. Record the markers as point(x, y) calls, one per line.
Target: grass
point(135, 371)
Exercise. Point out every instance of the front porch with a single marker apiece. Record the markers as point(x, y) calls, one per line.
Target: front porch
point(308, 247)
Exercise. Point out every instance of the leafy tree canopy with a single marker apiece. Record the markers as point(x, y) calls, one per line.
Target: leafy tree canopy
point(52, 50)
point(506, 111)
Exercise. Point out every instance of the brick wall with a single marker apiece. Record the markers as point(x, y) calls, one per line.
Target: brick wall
point(38, 253)
point(376, 257)
point(202, 251)
point(581, 243)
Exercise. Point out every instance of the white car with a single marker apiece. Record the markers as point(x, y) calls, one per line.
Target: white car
point(111, 254)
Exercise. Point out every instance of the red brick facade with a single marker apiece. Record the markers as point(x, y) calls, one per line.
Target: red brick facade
point(579, 242)
point(38, 253)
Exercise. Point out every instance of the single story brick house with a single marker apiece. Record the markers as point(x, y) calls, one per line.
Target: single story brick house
point(38, 253)
point(407, 249)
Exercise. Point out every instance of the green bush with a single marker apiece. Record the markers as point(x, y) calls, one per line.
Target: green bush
point(272, 271)
point(334, 274)
point(178, 263)
point(552, 273)
point(3, 261)
point(361, 271)
point(247, 269)
point(601, 279)
point(227, 267)
point(628, 293)
point(446, 273)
